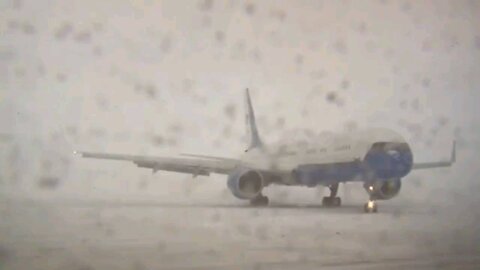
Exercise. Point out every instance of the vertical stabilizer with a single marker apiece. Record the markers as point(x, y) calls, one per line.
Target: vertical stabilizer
point(252, 131)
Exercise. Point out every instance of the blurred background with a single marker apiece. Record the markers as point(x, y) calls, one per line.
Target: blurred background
point(167, 77)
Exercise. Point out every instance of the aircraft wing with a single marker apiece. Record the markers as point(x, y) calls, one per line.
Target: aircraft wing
point(429, 165)
point(191, 165)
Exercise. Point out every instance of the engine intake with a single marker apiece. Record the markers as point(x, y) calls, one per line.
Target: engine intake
point(245, 184)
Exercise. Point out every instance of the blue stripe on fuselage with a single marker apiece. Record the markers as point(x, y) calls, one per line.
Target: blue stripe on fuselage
point(320, 174)
point(378, 163)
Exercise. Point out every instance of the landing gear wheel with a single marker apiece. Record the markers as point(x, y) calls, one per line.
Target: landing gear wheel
point(259, 201)
point(337, 201)
point(331, 201)
point(370, 207)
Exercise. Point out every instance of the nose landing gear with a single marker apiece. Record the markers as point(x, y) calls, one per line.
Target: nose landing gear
point(370, 207)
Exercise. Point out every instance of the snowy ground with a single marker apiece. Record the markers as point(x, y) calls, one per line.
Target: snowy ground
point(101, 234)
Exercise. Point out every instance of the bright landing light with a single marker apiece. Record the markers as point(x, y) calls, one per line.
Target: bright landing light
point(370, 204)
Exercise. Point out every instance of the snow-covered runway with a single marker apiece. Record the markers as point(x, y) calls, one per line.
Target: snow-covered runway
point(39, 234)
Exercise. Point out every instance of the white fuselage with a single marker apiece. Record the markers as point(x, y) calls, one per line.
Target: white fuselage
point(345, 149)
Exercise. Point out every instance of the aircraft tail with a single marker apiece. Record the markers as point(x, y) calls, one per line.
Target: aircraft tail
point(252, 131)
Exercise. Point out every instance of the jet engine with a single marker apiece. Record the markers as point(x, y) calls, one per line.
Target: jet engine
point(245, 183)
point(383, 189)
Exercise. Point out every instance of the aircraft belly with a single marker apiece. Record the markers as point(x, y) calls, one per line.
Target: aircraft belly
point(326, 174)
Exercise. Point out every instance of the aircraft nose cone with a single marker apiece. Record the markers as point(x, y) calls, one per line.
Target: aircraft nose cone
point(394, 154)
point(401, 160)
point(394, 160)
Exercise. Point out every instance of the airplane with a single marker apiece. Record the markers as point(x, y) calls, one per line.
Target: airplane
point(379, 158)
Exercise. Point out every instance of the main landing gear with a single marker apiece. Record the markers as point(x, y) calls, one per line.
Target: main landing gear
point(332, 200)
point(370, 207)
point(260, 200)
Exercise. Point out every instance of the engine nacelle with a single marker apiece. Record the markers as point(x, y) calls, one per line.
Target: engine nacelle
point(245, 184)
point(383, 189)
